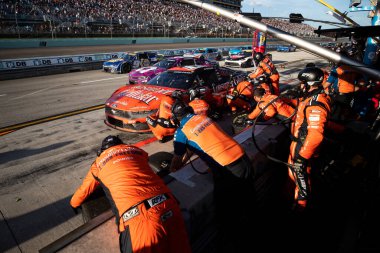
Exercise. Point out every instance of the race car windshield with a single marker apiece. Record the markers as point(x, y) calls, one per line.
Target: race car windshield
point(178, 80)
point(199, 51)
point(126, 57)
point(166, 64)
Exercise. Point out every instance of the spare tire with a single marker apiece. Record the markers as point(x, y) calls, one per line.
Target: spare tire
point(95, 204)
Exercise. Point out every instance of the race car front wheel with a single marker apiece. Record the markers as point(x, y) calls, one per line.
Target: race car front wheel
point(126, 68)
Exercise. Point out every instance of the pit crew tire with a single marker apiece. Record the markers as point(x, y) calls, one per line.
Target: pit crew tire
point(95, 204)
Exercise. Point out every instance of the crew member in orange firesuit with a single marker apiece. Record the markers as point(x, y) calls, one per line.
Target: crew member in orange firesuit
point(307, 132)
point(240, 97)
point(160, 123)
point(277, 108)
point(230, 165)
point(341, 85)
point(264, 82)
point(199, 105)
point(266, 66)
point(147, 214)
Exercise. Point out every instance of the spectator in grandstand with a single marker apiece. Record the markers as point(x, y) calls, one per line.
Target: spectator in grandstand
point(147, 214)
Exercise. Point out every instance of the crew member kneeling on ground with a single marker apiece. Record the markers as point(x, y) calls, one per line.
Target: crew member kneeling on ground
point(241, 97)
point(147, 214)
point(307, 132)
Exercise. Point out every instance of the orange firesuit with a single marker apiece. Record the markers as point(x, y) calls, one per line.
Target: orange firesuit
point(160, 123)
point(278, 108)
point(231, 169)
point(307, 135)
point(200, 106)
point(241, 96)
point(267, 67)
point(147, 214)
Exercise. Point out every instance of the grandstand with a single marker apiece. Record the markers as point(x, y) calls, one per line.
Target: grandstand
point(123, 18)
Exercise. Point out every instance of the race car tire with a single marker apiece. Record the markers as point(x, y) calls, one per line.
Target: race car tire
point(94, 205)
point(238, 122)
point(247, 64)
point(160, 163)
point(126, 68)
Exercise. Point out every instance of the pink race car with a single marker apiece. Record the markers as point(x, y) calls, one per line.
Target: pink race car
point(143, 75)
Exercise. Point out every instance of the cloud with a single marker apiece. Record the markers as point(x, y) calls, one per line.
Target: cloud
point(257, 3)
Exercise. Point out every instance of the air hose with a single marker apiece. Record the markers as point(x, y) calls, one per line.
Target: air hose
point(253, 132)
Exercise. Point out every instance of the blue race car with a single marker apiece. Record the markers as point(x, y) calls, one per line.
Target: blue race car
point(283, 48)
point(129, 61)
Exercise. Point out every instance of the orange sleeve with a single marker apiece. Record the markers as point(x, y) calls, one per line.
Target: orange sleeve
point(88, 186)
point(316, 121)
point(259, 71)
point(253, 115)
point(270, 112)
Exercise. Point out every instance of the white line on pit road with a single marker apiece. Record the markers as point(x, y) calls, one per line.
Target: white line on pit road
point(106, 79)
point(2, 95)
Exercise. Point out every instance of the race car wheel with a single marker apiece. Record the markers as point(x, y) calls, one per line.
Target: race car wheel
point(126, 68)
point(238, 122)
point(247, 64)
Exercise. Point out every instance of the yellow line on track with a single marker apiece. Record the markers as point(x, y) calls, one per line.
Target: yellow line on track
point(10, 129)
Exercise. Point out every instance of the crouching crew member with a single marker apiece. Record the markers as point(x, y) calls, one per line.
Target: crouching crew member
point(275, 107)
point(161, 123)
point(148, 216)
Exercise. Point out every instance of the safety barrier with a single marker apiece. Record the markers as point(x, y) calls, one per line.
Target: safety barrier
point(38, 66)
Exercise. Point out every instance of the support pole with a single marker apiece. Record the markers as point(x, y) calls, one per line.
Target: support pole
point(311, 47)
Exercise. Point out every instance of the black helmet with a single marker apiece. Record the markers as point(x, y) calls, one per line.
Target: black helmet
point(179, 110)
point(108, 142)
point(311, 76)
point(310, 65)
point(177, 94)
point(258, 56)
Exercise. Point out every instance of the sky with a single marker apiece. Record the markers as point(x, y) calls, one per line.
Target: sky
point(311, 9)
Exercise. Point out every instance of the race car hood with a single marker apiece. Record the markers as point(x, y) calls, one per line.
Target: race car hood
point(138, 97)
point(113, 62)
point(146, 71)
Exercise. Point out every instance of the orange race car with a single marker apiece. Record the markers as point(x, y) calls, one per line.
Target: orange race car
point(128, 107)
